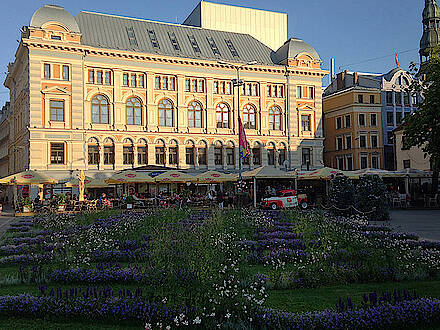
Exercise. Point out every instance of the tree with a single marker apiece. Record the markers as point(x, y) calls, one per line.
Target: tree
point(341, 194)
point(371, 197)
point(422, 129)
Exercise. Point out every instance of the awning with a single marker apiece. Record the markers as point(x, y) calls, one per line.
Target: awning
point(325, 173)
point(174, 177)
point(215, 177)
point(28, 178)
point(130, 177)
point(268, 172)
point(89, 183)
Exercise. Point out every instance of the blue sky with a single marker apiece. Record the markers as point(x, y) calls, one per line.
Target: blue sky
point(360, 35)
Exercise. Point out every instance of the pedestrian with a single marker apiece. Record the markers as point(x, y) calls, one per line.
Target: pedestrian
point(220, 199)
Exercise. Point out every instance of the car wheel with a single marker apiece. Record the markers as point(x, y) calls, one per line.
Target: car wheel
point(273, 206)
point(304, 205)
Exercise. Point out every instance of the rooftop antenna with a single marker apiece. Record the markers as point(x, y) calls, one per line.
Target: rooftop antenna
point(332, 70)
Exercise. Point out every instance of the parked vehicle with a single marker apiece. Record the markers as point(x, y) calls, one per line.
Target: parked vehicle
point(286, 199)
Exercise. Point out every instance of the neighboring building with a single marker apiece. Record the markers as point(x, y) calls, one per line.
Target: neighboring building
point(269, 27)
point(397, 103)
point(352, 109)
point(409, 157)
point(431, 29)
point(105, 93)
point(4, 140)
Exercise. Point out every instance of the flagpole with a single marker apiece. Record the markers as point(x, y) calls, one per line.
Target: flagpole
point(239, 120)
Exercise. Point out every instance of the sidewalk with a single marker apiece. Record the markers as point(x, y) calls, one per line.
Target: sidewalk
point(425, 223)
point(6, 217)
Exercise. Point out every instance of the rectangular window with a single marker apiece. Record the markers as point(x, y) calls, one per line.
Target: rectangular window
point(362, 141)
point(230, 156)
point(218, 155)
point(91, 76)
point(164, 83)
point(406, 163)
point(216, 87)
point(201, 86)
point(228, 88)
point(172, 83)
point(361, 119)
point(299, 92)
point(372, 99)
point(99, 78)
point(349, 163)
point(360, 98)
point(399, 118)
point(194, 85)
point(404, 143)
point(374, 141)
point(109, 155)
point(56, 110)
point(364, 161)
point(47, 71)
point(141, 81)
point(160, 155)
point(57, 153)
point(373, 119)
point(338, 122)
point(339, 143)
point(305, 121)
point(194, 44)
point(174, 41)
point(108, 79)
point(201, 155)
point(306, 156)
point(142, 155)
point(54, 37)
point(125, 79)
point(153, 39)
point(187, 85)
point(340, 163)
point(389, 98)
point(348, 142)
point(347, 121)
point(375, 161)
point(128, 155)
point(133, 80)
point(390, 137)
point(157, 82)
point(172, 153)
point(390, 118)
point(66, 73)
point(189, 152)
point(131, 36)
point(93, 155)
point(311, 93)
point(406, 99)
point(399, 98)
point(231, 48)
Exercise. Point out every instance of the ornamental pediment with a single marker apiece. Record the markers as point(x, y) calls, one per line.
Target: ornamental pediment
point(55, 90)
point(305, 107)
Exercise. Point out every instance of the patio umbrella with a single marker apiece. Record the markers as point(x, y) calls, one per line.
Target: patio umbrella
point(28, 178)
point(130, 177)
point(174, 176)
point(325, 173)
point(214, 177)
point(82, 188)
point(88, 182)
point(412, 173)
point(268, 172)
point(376, 171)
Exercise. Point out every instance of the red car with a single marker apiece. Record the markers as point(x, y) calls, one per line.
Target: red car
point(286, 199)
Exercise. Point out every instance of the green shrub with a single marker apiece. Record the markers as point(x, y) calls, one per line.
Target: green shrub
point(371, 197)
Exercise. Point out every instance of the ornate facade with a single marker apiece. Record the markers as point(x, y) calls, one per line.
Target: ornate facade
point(104, 93)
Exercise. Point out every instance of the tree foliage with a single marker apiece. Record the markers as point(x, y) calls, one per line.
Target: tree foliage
point(341, 194)
point(371, 196)
point(422, 129)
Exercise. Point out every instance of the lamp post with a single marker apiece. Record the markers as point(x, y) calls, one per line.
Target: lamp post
point(237, 83)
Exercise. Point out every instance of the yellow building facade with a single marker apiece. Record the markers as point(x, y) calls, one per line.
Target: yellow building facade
point(353, 123)
point(104, 93)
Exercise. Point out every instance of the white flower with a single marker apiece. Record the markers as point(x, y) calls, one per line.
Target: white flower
point(197, 320)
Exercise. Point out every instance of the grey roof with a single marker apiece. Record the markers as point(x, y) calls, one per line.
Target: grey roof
point(388, 76)
point(292, 48)
point(107, 31)
point(49, 13)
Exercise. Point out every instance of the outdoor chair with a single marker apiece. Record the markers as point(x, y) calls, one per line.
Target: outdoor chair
point(403, 201)
point(433, 201)
point(396, 202)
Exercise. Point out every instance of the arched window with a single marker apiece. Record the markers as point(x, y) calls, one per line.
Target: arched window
point(93, 151)
point(109, 152)
point(202, 151)
point(222, 114)
point(282, 154)
point(100, 109)
point(256, 153)
point(271, 153)
point(165, 107)
point(134, 111)
point(194, 114)
point(230, 153)
point(128, 152)
point(142, 152)
point(173, 153)
point(249, 117)
point(275, 118)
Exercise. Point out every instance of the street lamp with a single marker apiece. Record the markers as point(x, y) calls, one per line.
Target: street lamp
point(237, 83)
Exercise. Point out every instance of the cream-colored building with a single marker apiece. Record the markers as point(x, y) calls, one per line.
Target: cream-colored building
point(406, 157)
point(105, 93)
point(269, 27)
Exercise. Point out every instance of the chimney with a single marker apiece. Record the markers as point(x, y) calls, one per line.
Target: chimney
point(355, 78)
point(341, 80)
point(332, 70)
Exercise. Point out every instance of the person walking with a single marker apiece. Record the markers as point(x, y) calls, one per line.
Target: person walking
point(220, 199)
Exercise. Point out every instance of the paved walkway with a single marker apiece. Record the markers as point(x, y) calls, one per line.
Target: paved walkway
point(6, 217)
point(425, 223)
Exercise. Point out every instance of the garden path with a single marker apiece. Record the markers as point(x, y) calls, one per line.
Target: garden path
point(425, 223)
